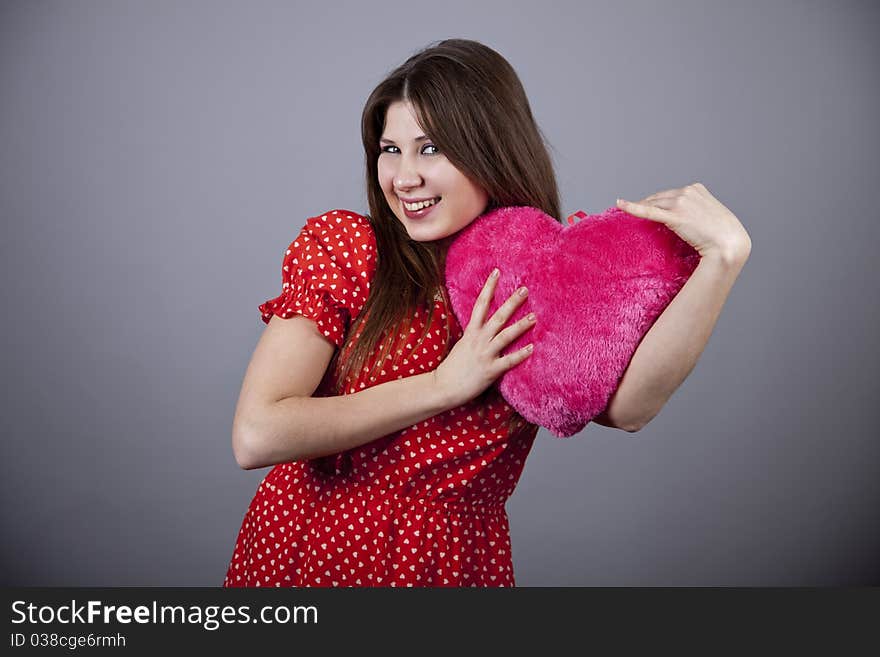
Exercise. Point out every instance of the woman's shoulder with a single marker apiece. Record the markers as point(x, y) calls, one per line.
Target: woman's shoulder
point(326, 269)
point(336, 239)
point(342, 225)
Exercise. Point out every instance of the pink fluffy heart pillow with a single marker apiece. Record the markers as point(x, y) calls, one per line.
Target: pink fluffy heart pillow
point(596, 286)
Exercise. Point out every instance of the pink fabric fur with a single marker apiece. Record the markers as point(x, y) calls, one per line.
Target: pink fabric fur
point(596, 287)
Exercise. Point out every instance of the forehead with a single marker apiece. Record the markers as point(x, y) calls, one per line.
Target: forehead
point(400, 122)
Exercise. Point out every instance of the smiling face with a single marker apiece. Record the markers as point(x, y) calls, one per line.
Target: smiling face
point(411, 167)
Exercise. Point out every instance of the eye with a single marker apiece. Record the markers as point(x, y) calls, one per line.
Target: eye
point(384, 149)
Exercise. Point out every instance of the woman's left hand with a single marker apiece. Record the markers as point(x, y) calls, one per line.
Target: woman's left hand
point(698, 218)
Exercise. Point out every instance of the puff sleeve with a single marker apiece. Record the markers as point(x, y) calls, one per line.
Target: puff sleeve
point(326, 273)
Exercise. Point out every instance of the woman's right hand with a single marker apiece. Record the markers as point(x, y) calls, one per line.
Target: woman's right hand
point(473, 364)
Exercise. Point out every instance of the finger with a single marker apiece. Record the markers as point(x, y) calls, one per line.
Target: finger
point(504, 312)
point(515, 358)
point(661, 195)
point(645, 211)
point(701, 188)
point(672, 194)
point(671, 201)
point(513, 332)
point(481, 305)
point(666, 203)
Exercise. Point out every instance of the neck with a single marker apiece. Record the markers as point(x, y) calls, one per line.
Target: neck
point(443, 247)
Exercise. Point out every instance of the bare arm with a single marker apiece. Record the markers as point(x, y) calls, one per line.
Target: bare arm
point(277, 420)
point(300, 428)
point(670, 349)
point(605, 420)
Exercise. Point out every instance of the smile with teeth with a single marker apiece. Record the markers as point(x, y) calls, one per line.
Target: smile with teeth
point(412, 207)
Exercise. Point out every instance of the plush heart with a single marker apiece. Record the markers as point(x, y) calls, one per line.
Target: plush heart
point(596, 287)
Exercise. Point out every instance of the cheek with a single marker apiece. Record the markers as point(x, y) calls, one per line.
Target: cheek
point(384, 177)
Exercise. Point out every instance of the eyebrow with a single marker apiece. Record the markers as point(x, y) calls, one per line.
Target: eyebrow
point(389, 141)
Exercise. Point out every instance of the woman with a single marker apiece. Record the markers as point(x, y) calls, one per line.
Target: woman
point(393, 453)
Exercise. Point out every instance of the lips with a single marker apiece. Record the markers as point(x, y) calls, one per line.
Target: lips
point(418, 214)
point(436, 200)
point(417, 200)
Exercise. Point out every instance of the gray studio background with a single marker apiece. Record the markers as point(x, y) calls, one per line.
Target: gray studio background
point(157, 158)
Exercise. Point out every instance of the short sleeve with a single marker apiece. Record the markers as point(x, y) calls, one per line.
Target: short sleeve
point(326, 273)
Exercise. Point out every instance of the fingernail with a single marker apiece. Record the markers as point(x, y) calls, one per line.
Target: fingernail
point(495, 272)
point(523, 291)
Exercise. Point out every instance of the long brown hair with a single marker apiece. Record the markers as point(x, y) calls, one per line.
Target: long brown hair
point(468, 99)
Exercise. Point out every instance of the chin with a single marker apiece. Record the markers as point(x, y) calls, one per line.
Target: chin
point(423, 237)
point(423, 233)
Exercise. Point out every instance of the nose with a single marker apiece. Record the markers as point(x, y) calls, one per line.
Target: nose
point(407, 175)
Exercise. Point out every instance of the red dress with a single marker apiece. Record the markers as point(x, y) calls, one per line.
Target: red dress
point(420, 507)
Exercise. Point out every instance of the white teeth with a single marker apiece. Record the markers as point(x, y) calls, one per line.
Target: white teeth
point(412, 207)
